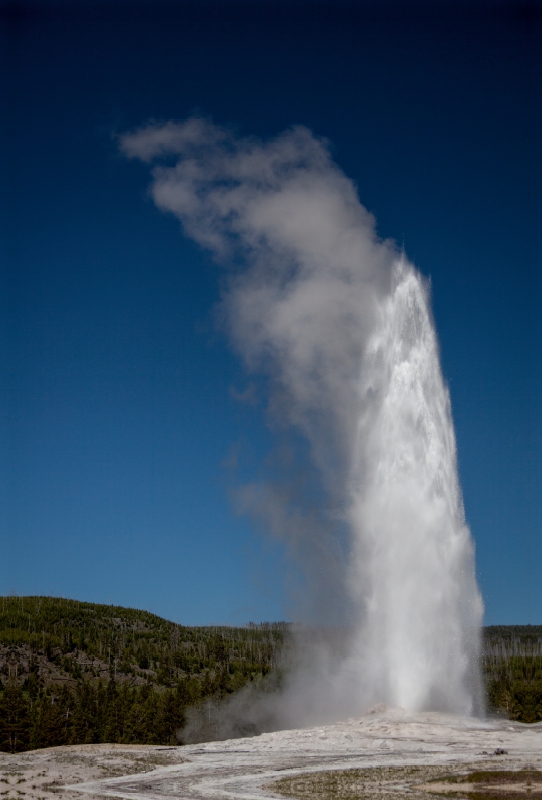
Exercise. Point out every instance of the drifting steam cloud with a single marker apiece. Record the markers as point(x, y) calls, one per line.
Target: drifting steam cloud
point(339, 322)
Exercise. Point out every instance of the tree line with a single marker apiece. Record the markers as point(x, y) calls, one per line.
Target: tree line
point(34, 716)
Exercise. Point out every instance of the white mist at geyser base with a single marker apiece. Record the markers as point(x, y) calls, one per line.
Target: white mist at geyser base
point(340, 323)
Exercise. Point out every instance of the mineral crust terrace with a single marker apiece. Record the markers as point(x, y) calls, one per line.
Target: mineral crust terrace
point(249, 768)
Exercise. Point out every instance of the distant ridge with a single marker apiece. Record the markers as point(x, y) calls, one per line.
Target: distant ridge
point(75, 641)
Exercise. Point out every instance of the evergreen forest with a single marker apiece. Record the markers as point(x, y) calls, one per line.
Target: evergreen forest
point(76, 673)
point(512, 671)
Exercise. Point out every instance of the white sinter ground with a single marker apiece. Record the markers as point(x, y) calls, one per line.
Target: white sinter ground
point(244, 768)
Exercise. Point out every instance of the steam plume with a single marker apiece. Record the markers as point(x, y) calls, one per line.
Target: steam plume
point(340, 323)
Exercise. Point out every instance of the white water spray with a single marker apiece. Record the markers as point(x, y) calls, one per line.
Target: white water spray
point(341, 324)
point(412, 566)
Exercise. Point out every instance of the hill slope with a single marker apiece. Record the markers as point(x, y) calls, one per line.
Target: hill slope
point(67, 641)
point(74, 672)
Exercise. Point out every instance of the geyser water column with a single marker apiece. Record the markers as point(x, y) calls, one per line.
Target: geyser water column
point(413, 565)
point(340, 323)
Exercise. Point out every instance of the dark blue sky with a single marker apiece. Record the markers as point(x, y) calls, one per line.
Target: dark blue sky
point(119, 424)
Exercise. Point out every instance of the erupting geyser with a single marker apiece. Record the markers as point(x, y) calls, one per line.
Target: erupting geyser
point(340, 323)
point(412, 564)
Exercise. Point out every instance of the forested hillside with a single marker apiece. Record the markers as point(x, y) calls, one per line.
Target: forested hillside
point(73, 672)
point(512, 667)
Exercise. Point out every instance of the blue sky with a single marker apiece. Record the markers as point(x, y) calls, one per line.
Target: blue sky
point(122, 439)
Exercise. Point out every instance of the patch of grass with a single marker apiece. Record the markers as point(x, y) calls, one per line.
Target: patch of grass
point(386, 783)
point(492, 784)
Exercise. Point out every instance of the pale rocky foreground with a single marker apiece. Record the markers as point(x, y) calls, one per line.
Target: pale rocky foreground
point(247, 768)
